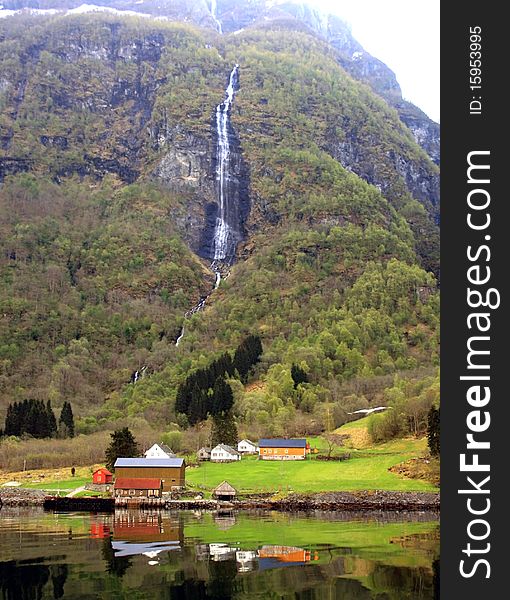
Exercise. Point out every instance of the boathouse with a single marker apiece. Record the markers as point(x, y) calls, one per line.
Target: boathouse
point(171, 471)
point(137, 487)
point(224, 491)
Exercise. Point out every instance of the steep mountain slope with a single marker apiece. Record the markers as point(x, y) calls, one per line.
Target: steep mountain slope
point(109, 168)
point(227, 16)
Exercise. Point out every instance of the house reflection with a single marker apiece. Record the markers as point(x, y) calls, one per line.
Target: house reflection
point(246, 561)
point(267, 557)
point(221, 552)
point(279, 556)
point(224, 520)
point(99, 531)
point(146, 533)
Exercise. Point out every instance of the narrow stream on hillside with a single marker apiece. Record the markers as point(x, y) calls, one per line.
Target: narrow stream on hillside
point(225, 237)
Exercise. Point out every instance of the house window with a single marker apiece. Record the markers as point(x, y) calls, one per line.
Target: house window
point(270, 451)
point(286, 450)
point(173, 480)
point(141, 492)
point(264, 451)
point(131, 492)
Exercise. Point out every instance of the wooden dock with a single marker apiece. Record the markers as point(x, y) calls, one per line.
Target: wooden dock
point(81, 504)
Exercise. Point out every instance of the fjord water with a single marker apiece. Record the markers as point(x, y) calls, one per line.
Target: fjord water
point(221, 556)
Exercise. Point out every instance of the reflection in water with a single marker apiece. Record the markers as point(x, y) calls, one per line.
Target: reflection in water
point(18, 580)
point(185, 555)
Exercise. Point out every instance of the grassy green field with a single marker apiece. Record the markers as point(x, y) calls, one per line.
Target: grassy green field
point(367, 469)
point(63, 484)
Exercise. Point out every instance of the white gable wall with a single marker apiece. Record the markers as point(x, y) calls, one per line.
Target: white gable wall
point(156, 452)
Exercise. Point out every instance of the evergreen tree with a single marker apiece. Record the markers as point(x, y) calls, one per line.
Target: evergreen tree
point(52, 421)
point(433, 431)
point(224, 429)
point(182, 399)
point(123, 445)
point(66, 421)
point(222, 399)
point(198, 406)
point(298, 375)
point(10, 424)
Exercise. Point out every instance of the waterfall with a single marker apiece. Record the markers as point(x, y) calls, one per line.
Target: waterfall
point(222, 234)
point(181, 335)
point(214, 11)
point(225, 236)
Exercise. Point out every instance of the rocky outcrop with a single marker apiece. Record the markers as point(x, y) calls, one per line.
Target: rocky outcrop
point(419, 177)
point(187, 167)
point(10, 165)
point(21, 497)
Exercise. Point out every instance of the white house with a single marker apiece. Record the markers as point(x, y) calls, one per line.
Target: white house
point(224, 453)
point(247, 447)
point(159, 451)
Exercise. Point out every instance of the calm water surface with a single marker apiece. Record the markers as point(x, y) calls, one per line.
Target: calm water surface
point(199, 555)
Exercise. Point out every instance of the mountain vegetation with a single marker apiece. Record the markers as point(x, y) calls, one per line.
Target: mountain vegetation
point(107, 171)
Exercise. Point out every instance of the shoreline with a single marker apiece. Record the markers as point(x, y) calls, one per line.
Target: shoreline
point(368, 500)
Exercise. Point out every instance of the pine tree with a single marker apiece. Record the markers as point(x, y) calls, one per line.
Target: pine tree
point(298, 375)
point(66, 421)
point(52, 421)
point(433, 431)
point(123, 445)
point(224, 429)
point(222, 399)
point(182, 399)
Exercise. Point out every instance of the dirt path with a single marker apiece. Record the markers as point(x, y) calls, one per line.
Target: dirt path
point(75, 491)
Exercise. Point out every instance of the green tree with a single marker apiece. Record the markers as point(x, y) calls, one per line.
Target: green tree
point(52, 421)
point(123, 445)
point(224, 429)
point(66, 421)
point(222, 398)
point(298, 375)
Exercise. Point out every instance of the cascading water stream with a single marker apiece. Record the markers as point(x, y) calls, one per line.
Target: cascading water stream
point(224, 239)
point(214, 11)
point(222, 233)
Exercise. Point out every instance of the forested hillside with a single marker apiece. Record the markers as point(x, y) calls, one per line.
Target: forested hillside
point(108, 181)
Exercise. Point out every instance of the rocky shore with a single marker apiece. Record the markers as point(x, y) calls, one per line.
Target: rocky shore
point(324, 501)
point(21, 497)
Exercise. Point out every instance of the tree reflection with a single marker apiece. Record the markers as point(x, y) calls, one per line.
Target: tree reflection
point(115, 565)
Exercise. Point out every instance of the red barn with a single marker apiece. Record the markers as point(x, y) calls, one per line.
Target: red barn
point(102, 476)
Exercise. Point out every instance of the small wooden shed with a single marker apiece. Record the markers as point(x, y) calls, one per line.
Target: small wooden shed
point(135, 486)
point(224, 491)
point(102, 476)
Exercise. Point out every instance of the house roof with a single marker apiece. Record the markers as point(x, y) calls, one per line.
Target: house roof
point(224, 488)
point(167, 449)
point(248, 441)
point(149, 462)
point(205, 449)
point(103, 470)
point(226, 448)
point(281, 443)
point(137, 483)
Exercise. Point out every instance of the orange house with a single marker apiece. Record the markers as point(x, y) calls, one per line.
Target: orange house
point(281, 449)
point(102, 476)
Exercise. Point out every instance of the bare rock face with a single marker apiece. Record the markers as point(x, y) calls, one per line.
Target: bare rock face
point(186, 165)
